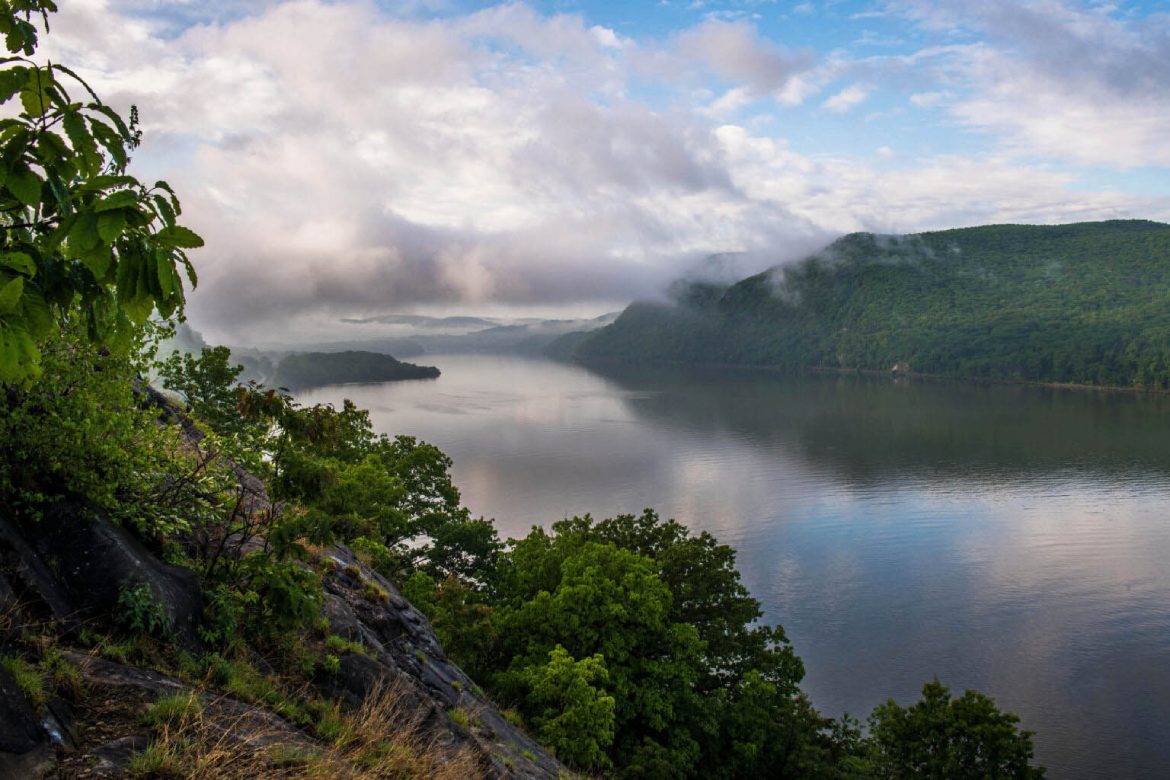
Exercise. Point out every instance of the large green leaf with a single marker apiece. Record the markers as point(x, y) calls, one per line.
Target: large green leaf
point(178, 236)
point(110, 224)
point(10, 293)
point(24, 185)
point(19, 358)
point(11, 81)
point(83, 144)
point(84, 235)
point(98, 261)
point(37, 317)
point(167, 278)
point(117, 200)
point(34, 96)
point(134, 282)
point(113, 142)
point(18, 261)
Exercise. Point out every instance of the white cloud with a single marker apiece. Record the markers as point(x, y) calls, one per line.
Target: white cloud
point(846, 99)
point(735, 51)
point(1066, 81)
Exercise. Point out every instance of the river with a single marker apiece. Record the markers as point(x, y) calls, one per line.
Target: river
point(1015, 540)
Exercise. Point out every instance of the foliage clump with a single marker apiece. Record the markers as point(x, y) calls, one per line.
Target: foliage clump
point(81, 238)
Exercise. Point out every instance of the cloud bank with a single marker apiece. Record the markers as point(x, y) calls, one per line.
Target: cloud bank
point(345, 161)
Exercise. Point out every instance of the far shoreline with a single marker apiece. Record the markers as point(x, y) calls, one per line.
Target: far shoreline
point(879, 374)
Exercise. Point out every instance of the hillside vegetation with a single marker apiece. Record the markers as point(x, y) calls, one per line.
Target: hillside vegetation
point(1086, 303)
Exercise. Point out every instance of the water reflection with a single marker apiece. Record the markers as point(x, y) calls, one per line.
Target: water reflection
point(869, 430)
point(1008, 539)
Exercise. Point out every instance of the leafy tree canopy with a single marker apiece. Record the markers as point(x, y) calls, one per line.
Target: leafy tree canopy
point(945, 738)
point(80, 237)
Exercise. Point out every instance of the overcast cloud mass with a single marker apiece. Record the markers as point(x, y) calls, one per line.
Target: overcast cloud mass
point(353, 158)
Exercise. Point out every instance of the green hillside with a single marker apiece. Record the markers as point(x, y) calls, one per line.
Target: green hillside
point(1083, 303)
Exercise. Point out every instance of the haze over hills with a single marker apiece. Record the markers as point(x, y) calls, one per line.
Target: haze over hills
point(411, 335)
point(1085, 303)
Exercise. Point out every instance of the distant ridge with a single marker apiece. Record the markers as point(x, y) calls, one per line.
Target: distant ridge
point(1084, 303)
point(311, 369)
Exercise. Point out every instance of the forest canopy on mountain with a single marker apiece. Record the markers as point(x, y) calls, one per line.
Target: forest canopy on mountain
point(1086, 303)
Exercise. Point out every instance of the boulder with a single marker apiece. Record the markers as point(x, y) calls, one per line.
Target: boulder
point(75, 563)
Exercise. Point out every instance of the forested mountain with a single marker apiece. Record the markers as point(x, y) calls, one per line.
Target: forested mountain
point(1082, 303)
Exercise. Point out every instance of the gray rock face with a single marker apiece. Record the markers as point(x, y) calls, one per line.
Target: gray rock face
point(73, 563)
point(71, 568)
point(402, 646)
point(20, 729)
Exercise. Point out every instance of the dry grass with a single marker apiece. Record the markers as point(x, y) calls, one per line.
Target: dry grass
point(383, 738)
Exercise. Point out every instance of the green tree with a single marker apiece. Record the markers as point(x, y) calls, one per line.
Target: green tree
point(571, 715)
point(665, 610)
point(208, 383)
point(81, 238)
point(943, 738)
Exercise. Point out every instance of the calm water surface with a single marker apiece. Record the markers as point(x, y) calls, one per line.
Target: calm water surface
point(1014, 540)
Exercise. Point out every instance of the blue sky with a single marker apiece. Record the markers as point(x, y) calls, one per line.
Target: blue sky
point(353, 157)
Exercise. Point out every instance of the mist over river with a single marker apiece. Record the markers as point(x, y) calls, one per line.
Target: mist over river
point(1010, 539)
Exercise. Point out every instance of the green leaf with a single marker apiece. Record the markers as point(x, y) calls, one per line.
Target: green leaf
point(11, 81)
point(133, 279)
point(83, 143)
point(10, 293)
point(110, 224)
point(79, 80)
point(166, 273)
point(84, 235)
point(114, 143)
point(117, 200)
point(113, 117)
point(178, 236)
point(164, 209)
point(24, 185)
point(15, 143)
point(107, 182)
point(35, 95)
point(20, 262)
point(98, 261)
point(19, 358)
point(139, 307)
point(191, 275)
point(37, 317)
point(60, 193)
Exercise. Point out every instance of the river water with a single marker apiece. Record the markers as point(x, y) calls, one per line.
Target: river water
point(1013, 540)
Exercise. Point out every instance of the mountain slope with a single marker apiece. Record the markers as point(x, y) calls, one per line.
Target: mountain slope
point(1082, 303)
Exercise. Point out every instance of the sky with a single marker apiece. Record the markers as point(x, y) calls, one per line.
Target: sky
point(350, 158)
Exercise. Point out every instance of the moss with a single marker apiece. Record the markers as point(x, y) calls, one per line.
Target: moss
point(373, 592)
point(28, 679)
point(343, 646)
point(173, 708)
point(513, 716)
point(62, 675)
point(157, 761)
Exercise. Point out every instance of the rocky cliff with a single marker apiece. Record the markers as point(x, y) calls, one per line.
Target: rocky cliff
point(62, 582)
